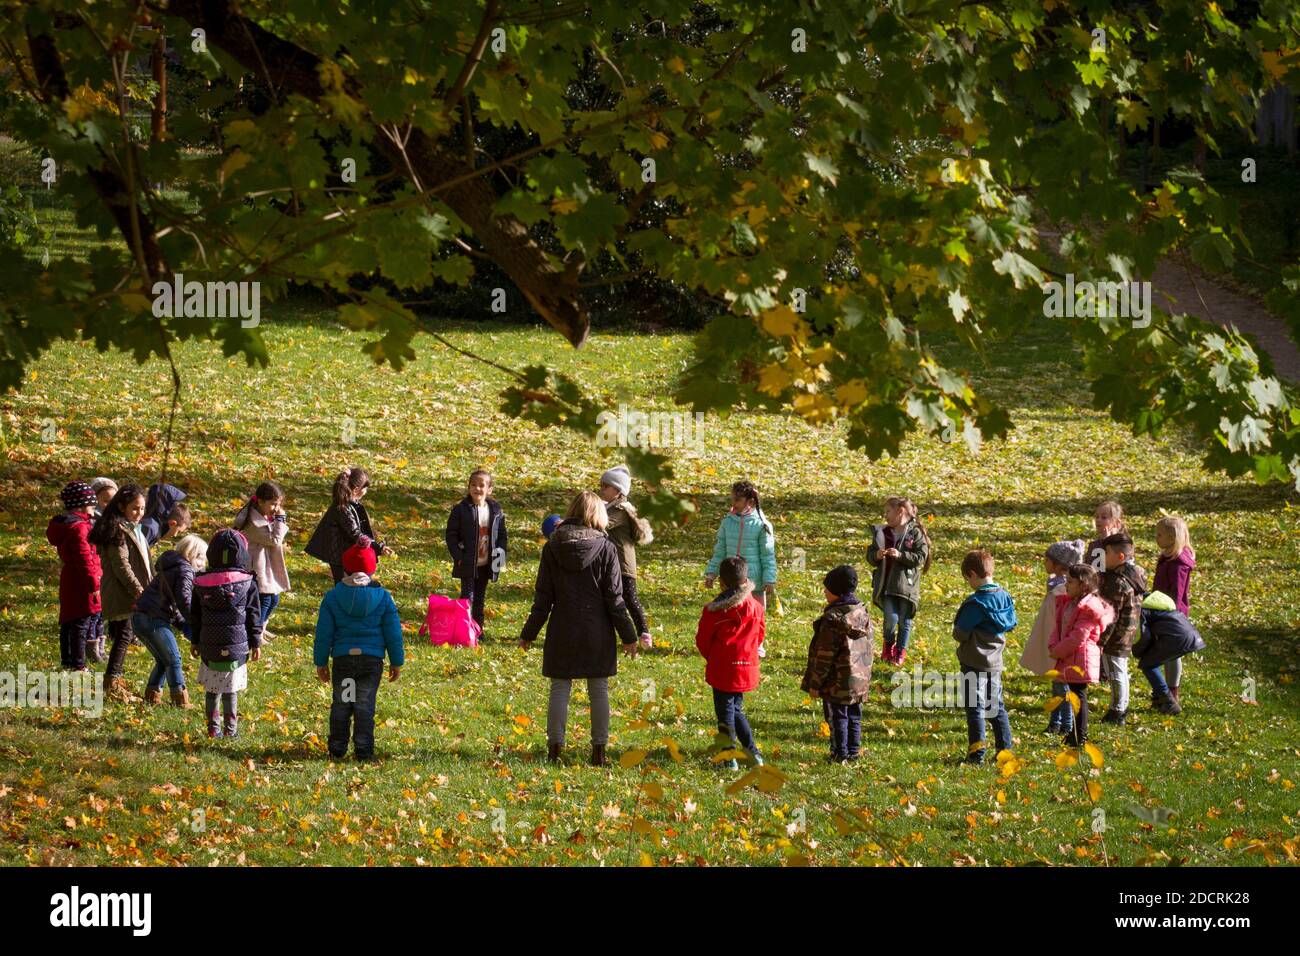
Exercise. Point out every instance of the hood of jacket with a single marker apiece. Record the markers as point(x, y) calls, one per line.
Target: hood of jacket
point(1134, 575)
point(169, 561)
point(63, 526)
point(998, 607)
point(1184, 557)
point(358, 601)
point(160, 500)
point(228, 550)
point(731, 598)
point(848, 616)
point(1094, 605)
point(576, 546)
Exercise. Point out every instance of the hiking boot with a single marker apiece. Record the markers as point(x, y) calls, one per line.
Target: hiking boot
point(900, 656)
point(181, 698)
point(153, 695)
point(553, 752)
point(1168, 706)
point(598, 756)
point(1111, 716)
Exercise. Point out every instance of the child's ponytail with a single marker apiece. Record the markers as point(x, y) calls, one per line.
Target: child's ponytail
point(347, 480)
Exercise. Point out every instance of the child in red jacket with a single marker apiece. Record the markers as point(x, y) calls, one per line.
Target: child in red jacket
point(79, 603)
point(731, 629)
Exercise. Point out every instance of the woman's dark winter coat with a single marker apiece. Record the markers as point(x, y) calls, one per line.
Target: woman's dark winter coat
point(579, 597)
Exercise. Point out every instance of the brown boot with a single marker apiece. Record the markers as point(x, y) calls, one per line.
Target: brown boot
point(181, 698)
point(598, 756)
point(153, 695)
point(553, 752)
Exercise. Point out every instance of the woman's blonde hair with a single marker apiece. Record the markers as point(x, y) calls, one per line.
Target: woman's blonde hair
point(194, 550)
point(1178, 528)
point(589, 509)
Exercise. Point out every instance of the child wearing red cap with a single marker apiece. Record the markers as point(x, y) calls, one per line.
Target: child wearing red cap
point(357, 625)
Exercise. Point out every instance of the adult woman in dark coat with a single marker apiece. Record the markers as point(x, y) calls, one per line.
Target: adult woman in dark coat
point(581, 593)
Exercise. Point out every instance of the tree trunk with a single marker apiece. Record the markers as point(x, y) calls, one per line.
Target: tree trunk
point(285, 66)
point(158, 119)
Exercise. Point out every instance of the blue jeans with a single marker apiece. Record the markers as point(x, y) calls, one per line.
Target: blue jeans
point(1157, 681)
point(160, 640)
point(269, 603)
point(729, 707)
point(898, 620)
point(1064, 713)
point(986, 688)
point(356, 680)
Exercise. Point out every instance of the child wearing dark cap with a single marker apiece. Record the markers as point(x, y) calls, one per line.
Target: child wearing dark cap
point(79, 599)
point(839, 661)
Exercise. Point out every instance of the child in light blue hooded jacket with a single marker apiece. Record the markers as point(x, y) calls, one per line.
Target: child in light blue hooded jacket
point(357, 625)
point(746, 533)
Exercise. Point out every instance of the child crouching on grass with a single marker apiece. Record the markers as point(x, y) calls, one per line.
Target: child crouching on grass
point(356, 626)
point(730, 631)
point(839, 662)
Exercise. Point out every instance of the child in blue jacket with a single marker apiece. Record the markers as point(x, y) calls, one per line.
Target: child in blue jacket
point(980, 630)
point(356, 626)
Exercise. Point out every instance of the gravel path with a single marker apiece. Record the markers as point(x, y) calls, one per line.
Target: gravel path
point(1177, 287)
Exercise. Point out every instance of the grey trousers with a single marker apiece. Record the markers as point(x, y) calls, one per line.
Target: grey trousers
point(557, 711)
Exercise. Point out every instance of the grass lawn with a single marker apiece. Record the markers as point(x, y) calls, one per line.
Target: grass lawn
point(462, 776)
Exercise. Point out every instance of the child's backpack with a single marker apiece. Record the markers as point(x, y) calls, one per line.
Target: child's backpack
point(449, 621)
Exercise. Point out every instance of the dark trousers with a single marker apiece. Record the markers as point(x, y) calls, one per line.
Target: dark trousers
point(1080, 732)
point(336, 569)
point(729, 706)
point(356, 685)
point(73, 636)
point(475, 589)
point(633, 602)
point(121, 635)
point(845, 721)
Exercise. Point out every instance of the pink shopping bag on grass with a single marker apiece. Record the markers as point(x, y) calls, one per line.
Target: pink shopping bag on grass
point(449, 621)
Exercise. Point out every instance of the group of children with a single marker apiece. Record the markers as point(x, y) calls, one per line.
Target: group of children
point(220, 594)
point(1085, 631)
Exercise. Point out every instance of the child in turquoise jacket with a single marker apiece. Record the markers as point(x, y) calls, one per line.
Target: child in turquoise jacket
point(745, 532)
point(356, 626)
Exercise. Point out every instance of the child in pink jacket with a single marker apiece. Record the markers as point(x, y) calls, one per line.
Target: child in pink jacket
point(1081, 616)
